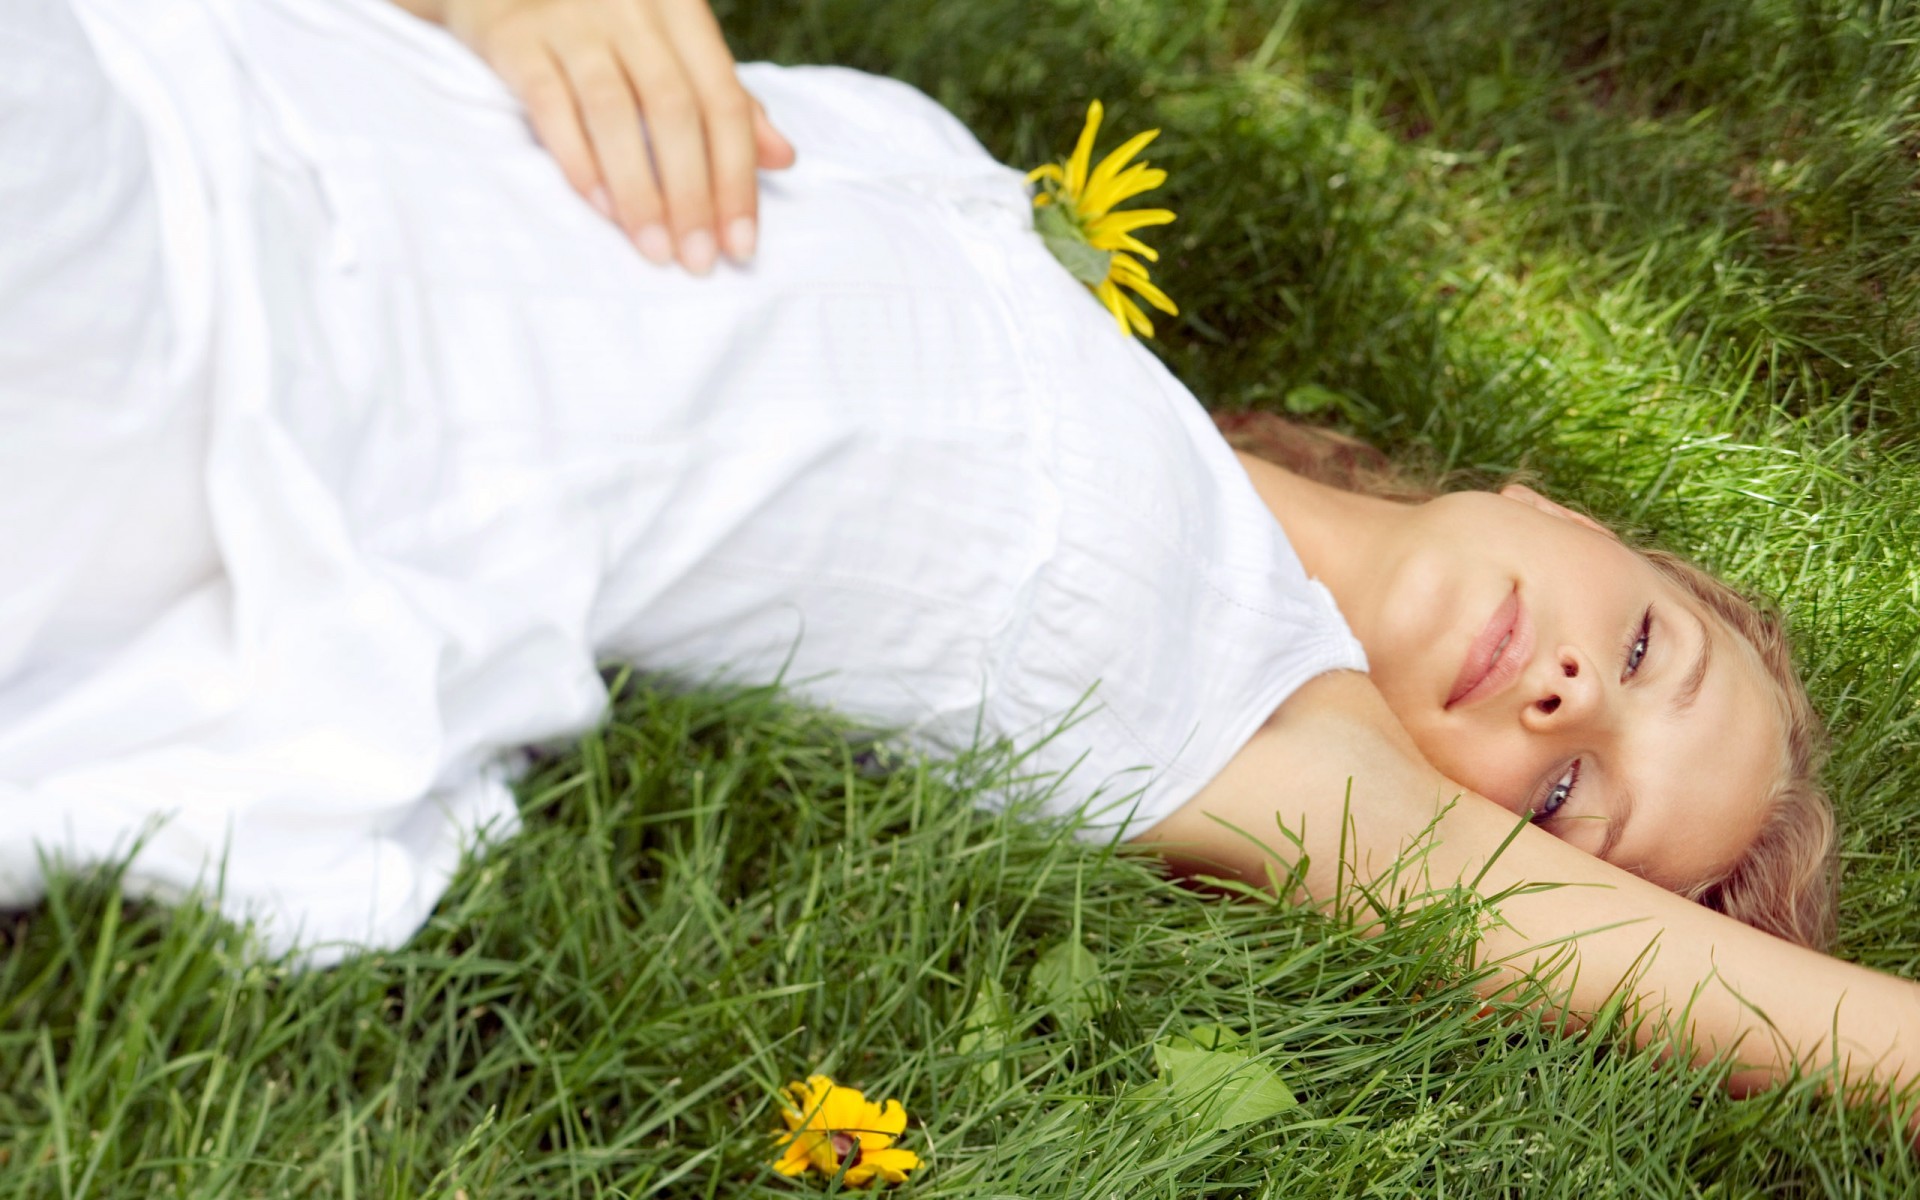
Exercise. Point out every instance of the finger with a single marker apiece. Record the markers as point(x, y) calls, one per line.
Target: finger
point(736, 187)
point(676, 133)
point(536, 78)
point(772, 150)
point(726, 115)
point(611, 117)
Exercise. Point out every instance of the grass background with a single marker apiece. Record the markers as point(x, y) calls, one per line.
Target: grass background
point(1664, 256)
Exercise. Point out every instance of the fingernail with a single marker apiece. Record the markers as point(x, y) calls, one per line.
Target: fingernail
point(602, 201)
point(697, 251)
point(655, 244)
point(740, 232)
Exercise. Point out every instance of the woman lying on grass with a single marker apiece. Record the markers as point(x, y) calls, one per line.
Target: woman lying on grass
point(346, 440)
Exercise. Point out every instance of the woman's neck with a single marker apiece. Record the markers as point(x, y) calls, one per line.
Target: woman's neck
point(1345, 540)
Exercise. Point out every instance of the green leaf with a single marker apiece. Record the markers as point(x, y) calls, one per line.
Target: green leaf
point(1067, 979)
point(1064, 239)
point(986, 1034)
point(1207, 1037)
point(1215, 1086)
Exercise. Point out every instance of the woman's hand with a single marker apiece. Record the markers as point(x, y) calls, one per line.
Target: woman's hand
point(640, 103)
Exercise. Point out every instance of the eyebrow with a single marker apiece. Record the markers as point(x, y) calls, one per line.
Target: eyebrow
point(1689, 689)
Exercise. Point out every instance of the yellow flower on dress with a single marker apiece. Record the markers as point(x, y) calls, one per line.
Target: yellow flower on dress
point(830, 1127)
point(1095, 243)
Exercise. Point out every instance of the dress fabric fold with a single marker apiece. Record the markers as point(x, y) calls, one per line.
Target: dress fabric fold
point(346, 444)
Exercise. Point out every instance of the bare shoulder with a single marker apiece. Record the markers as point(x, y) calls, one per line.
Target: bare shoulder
point(1336, 703)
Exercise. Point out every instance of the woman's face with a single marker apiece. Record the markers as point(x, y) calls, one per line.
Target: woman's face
point(1539, 661)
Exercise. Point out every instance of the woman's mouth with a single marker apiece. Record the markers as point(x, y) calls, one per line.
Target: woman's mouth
point(1496, 657)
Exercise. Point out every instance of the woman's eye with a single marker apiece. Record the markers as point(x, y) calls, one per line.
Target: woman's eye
point(1637, 648)
point(1558, 793)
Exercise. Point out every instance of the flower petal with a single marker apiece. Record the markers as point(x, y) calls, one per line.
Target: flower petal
point(1135, 317)
point(1121, 241)
point(1083, 150)
point(1047, 171)
point(1130, 220)
point(1111, 297)
point(843, 1108)
point(1102, 195)
point(1154, 295)
point(1112, 163)
point(813, 1090)
point(872, 1141)
point(822, 1156)
point(801, 1104)
point(892, 1165)
point(889, 1118)
point(793, 1160)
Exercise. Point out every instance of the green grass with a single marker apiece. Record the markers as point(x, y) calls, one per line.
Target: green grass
point(1666, 257)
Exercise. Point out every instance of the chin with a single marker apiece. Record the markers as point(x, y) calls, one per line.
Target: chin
point(1425, 722)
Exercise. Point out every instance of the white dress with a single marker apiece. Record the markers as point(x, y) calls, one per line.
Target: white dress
point(343, 444)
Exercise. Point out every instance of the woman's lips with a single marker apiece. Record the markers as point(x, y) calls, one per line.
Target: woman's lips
point(1496, 656)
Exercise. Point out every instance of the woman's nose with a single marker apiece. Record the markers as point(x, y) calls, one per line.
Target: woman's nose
point(1563, 690)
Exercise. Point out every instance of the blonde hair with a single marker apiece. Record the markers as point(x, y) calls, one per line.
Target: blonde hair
point(1786, 883)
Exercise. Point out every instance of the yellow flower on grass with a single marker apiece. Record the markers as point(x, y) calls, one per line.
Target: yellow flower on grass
point(1077, 220)
point(830, 1127)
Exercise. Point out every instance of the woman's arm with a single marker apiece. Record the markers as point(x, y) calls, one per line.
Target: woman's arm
point(681, 183)
point(1727, 987)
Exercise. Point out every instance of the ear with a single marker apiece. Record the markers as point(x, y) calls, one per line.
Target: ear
point(1533, 499)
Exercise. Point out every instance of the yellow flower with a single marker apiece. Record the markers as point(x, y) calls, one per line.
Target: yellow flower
point(1095, 243)
point(830, 1127)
